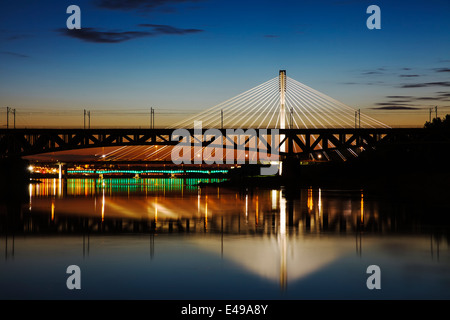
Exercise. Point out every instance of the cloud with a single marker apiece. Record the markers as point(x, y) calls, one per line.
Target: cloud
point(364, 83)
point(396, 103)
point(400, 100)
point(158, 29)
point(428, 98)
point(141, 5)
point(98, 36)
point(18, 37)
point(398, 97)
point(93, 35)
point(442, 69)
point(426, 84)
point(371, 72)
point(408, 75)
point(394, 107)
point(14, 54)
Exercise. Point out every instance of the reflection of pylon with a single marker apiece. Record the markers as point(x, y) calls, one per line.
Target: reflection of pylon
point(283, 263)
point(283, 244)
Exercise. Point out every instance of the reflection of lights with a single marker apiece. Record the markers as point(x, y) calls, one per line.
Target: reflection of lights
point(256, 215)
point(246, 206)
point(310, 200)
point(362, 207)
point(54, 187)
point(198, 201)
point(156, 210)
point(274, 199)
point(320, 202)
point(206, 211)
point(53, 210)
point(103, 206)
point(30, 191)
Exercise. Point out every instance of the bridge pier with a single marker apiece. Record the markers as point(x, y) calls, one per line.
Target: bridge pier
point(291, 168)
point(14, 178)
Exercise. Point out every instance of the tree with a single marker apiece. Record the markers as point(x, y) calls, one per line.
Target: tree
point(438, 123)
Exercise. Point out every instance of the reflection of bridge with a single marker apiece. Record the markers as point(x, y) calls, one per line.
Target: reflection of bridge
point(263, 212)
point(310, 125)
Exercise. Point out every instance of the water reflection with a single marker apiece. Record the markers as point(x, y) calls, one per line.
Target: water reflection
point(280, 238)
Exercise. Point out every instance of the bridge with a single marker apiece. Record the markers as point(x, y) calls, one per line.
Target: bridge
point(319, 143)
point(307, 124)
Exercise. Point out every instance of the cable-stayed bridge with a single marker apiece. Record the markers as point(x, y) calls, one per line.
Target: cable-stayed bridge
point(283, 103)
point(308, 125)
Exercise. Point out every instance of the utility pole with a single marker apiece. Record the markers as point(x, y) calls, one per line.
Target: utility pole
point(7, 117)
point(84, 119)
point(435, 108)
point(153, 118)
point(14, 113)
point(430, 114)
point(359, 112)
point(356, 117)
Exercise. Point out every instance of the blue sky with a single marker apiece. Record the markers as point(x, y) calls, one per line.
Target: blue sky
point(191, 55)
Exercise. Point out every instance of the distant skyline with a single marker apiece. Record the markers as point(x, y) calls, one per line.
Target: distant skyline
point(183, 56)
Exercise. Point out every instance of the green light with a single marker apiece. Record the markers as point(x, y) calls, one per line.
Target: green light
point(144, 171)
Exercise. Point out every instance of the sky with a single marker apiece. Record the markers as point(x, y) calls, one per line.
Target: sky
point(183, 56)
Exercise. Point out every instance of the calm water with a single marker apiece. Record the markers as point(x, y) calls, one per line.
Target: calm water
point(169, 239)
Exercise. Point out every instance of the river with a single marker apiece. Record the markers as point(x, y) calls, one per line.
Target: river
point(171, 239)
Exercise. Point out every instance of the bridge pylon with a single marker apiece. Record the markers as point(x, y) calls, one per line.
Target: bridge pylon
point(282, 87)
